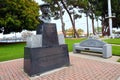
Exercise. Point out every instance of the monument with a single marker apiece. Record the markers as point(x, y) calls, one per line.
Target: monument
point(46, 50)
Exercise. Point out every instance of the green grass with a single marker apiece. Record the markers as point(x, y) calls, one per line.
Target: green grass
point(116, 50)
point(113, 41)
point(15, 51)
point(118, 60)
point(11, 51)
point(71, 41)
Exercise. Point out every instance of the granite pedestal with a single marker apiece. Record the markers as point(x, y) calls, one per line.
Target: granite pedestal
point(51, 54)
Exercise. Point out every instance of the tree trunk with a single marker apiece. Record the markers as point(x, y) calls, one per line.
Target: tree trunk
point(93, 26)
point(74, 25)
point(97, 26)
point(62, 22)
point(87, 25)
point(70, 19)
point(105, 28)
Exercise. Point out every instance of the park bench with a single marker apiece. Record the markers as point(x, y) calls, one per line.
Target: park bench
point(93, 45)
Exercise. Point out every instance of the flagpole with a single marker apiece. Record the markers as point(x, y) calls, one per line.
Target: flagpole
point(110, 17)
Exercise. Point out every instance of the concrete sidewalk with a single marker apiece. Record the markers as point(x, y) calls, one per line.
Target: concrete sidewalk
point(96, 56)
point(82, 68)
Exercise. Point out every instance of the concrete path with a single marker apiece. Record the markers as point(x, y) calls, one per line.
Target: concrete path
point(96, 56)
point(82, 68)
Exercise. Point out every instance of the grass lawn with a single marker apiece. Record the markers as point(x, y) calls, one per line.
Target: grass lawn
point(71, 41)
point(113, 41)
point(11, 51)
point(116, 50)
point(119, 60)
point(15, 51)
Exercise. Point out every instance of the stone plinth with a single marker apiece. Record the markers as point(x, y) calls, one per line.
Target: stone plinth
point(39, 60)
point(45, 51)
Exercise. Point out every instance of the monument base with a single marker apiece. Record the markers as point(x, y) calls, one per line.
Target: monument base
point(39, 60)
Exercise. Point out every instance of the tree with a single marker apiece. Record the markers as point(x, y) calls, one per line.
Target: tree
point(98, 29)
point(70, 32)
point(61, 17)
point(101, 9)
point(16, 15)
point(80, 31)
point(74, 29)
point(91, 5)
point(83, 8)
point(66, 5)
point(116, 10)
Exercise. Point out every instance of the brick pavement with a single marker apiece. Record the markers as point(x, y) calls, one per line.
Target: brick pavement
point(80, 69)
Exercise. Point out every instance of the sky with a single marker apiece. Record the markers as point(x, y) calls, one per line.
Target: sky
point(80, 23)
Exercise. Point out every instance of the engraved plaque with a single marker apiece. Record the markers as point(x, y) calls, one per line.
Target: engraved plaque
point(49, 35)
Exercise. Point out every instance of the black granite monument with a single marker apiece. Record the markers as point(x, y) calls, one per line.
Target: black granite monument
point(51, 55)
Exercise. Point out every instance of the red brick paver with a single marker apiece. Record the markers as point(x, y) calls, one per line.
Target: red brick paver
point(80, 69)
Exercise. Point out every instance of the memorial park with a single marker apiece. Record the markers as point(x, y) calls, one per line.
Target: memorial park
point(37, 44)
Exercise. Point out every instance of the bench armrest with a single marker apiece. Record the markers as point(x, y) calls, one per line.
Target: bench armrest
point(107, 50)
point(75, 44)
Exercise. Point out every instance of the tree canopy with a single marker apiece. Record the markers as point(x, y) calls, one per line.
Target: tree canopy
point(101, 9)
point(93, 9)
point(16, 15)
point(70, 32)
point(66, 5)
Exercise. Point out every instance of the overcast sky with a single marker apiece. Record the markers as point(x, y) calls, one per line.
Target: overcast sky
point(80, 23)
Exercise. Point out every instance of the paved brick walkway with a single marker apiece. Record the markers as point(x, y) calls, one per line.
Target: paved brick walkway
point(80, 69)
